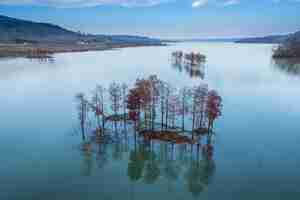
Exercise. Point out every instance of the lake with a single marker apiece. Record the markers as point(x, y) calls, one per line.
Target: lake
point(256, 145)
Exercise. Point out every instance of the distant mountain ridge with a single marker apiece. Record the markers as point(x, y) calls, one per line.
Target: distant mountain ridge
point(14, 30)
point(270, 39)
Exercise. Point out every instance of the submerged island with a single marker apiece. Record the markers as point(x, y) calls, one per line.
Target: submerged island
point(22, 38)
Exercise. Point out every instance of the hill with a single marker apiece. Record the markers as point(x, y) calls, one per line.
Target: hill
point(16, 30)
point(20, 37)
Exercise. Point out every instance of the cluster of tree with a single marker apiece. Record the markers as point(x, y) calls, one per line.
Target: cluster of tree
point(152, 105)
point(289, 49)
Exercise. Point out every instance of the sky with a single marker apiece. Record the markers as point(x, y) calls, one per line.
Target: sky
point(163, 18)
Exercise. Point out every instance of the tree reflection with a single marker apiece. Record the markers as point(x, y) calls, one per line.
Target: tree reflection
point(102, 155)
point(200, 172)
point(193, 63)
point(290, 66)
point(152, 170)
point(87, 164)
point(135, 166)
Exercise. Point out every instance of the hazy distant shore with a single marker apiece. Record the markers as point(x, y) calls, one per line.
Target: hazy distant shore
point(48, 49)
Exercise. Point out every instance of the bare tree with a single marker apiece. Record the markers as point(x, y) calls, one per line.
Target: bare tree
point(162, 97)
point(82, 113)
point(99, 104)
point(124, 101)
point(185, 94)
point(115, 97)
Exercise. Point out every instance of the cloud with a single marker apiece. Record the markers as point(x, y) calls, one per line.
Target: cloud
point(85, 3)
point(280, 1)
point(231, 2)
point(199, 3)
point(124, 3)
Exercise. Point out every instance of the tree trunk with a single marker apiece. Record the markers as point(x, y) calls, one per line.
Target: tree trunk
point(103, 115)
point(183, 115)
point(153, 114)
point(167, 113)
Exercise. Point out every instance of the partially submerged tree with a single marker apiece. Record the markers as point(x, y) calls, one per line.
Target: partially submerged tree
point(213, 108)
point(99, 107)
point(154, 89)
point(115, 92)
point(124, 102)
point(184, 96)
point(151, 99)
point(82, 113)
point(143, 88)
point(134, 102)
point(173, 108)
point(201, 100)
point(162, 86)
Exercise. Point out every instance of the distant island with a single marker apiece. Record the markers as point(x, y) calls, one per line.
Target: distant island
point(288, 45)
point(271, 39)
point(22, 38)
point(290, 48)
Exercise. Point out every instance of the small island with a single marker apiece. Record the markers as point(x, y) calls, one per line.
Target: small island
point(289, 48)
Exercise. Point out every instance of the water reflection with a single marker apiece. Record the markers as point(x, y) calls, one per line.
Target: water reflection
point(41, 60)
point(290, 66)
point(24, 68)
point(87, 164)
point(192, 64)
point(192, 166)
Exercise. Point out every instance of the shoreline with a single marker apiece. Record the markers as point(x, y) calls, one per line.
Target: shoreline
point(48, 50)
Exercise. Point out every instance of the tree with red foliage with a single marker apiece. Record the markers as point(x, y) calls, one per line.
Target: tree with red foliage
point(213, 107)
point(134, 102)
point(148, 90)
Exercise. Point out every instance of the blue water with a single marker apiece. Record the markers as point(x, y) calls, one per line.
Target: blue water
point(256, 144)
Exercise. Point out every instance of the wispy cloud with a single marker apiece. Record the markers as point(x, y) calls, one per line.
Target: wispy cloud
point(280, 1)
point(231, 2)
point(199, 3)
point(85, 3)
point(125, 3)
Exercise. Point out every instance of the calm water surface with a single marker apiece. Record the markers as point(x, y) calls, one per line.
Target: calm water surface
point(256, 145)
